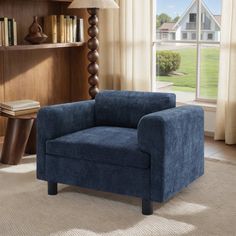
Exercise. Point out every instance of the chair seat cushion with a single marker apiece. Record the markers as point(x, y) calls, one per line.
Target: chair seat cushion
point(102, 144)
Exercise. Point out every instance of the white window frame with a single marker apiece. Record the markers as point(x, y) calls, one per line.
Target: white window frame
point(199, 42)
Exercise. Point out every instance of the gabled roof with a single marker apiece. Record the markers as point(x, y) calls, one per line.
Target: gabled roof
point(167, 26)
point(216, 17)
point(183, 15)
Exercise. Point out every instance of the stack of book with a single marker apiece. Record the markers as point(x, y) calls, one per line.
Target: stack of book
point(64, 29)
point(21, 107)
point(8, 32)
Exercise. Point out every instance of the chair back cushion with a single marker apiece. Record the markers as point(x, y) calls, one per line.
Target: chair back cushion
point(125, 108)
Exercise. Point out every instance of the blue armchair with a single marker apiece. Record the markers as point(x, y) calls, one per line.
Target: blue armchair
point(132, 143)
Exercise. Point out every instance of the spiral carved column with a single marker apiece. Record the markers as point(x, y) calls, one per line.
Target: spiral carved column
point(93, 55)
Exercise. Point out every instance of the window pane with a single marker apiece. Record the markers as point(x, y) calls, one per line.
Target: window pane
point(211, 20)
point(176, 70)
point(209, 71)
point(172, 22)
point(209, 63)
point(193, 17)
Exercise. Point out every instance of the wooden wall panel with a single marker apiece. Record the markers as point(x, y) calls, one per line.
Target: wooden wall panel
point(2, 120)
point(79, 74)
point(42, 75)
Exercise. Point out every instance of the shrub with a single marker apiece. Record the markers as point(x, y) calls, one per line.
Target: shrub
point(167, 61)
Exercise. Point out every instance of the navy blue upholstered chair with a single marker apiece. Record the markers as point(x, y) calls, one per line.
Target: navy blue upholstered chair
point(132, 143)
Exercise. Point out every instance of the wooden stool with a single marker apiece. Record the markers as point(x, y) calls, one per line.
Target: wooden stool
point(19, 129)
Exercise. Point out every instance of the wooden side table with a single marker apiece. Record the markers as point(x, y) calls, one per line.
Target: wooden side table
point(16, 138)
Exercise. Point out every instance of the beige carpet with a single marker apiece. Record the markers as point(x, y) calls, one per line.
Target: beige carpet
point(207, 207)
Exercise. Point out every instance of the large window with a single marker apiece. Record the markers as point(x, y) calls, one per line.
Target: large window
point(188, 64)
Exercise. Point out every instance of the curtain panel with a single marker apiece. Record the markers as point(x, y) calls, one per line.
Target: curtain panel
point(226, 105)
point(126, 46)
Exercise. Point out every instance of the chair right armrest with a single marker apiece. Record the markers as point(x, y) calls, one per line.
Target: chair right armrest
point(174, 138)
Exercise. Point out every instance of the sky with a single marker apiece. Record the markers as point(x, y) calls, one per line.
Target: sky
point(177, 7)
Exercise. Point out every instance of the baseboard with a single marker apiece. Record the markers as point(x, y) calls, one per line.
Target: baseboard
point(209, 134)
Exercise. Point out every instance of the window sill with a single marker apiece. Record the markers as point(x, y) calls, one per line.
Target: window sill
point(187, 98)
point(211, 107)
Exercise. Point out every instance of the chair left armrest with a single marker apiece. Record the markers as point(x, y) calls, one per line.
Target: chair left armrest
point(58, 120)
point(174, 138)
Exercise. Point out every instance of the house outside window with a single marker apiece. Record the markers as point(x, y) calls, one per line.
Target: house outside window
point(185, 36)
point(173, 36)
point(210, 36)
point(193, 36)
point(197, 71)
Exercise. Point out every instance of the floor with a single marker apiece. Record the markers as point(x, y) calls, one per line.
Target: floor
point(218, 150)
point(205, 208)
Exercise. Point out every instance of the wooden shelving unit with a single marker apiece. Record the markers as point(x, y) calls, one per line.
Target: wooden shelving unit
point(49, 73)
point(41, 46)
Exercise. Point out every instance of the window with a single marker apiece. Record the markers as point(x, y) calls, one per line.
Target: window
point(164, 35)
point(193, 73)
point(193, 36)
point(173, 36)
point(193, 17)
point(184, 36)
point(210, 36)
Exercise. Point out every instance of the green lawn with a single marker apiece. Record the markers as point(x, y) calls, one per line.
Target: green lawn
point(186, 81)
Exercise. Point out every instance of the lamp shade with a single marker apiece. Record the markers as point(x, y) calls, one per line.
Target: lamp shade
point(94, 4)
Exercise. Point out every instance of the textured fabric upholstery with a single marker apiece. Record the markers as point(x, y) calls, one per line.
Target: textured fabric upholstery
point(56, 121)
point(131, 143)
point(125, 109)
point(98, 176)
point(110, 145)
point(175, 140)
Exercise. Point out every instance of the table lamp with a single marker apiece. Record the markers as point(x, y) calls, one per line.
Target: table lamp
point(93, 7)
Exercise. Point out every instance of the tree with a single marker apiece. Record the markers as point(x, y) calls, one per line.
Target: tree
point(162, 18)
point(176, 19)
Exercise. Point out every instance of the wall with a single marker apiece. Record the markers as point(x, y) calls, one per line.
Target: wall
point(210, 122)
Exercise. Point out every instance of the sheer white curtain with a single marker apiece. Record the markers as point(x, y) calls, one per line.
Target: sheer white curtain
point(125, 46)
point(226, 106)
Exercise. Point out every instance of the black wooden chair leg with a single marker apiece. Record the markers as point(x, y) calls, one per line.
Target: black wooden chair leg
point(147, 207)
point(52, 188)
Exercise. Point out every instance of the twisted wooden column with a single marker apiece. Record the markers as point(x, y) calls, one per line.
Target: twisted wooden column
point(93, 56)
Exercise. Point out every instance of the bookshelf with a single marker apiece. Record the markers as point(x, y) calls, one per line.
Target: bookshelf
point(49, 73)
point(41, 46)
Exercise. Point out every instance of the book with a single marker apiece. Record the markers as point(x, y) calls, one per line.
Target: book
point(10, 32)
point(1, 34)
point(19, 105)
point(80, 30)
point(14, 33)
point(71, 29)
point(50, 28)
point(67, 29)
point(74, 28)
point(5, 39)
point(61, 29)
point(21, 112)
point(54, 28)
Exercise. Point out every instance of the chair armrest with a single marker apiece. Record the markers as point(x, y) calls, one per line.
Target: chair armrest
point(59, 120)
point(174, 138)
